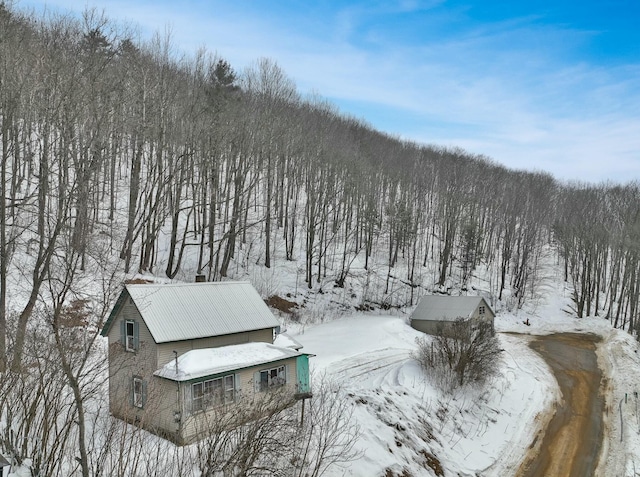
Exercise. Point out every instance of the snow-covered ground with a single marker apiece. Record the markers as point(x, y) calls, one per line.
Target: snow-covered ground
point(408, 426)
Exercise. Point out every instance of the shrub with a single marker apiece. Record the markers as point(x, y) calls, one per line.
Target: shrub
point(465, 353)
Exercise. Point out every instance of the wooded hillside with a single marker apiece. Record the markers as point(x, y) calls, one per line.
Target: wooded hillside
point(121, 156)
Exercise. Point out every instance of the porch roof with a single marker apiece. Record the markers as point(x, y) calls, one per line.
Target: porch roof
point(199, 363)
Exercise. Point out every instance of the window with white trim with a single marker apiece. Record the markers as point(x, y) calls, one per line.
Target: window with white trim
point(481, 310)
point(138, 392)
point(270, 378)
point(129, 332)
point(213, 392)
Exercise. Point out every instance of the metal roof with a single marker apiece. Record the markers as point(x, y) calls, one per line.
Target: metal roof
point(184, 311)
point(447, 308)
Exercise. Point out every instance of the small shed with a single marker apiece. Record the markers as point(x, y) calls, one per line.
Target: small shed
point(439, 312)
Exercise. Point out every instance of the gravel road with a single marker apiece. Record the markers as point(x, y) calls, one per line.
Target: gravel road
point(571, 443)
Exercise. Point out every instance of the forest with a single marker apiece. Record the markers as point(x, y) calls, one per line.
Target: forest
point(123, 157)
point(177, 165)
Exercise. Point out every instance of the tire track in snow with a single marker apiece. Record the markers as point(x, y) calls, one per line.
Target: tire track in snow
point(380, 366)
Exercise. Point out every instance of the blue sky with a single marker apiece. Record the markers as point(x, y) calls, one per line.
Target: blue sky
point(535, 85)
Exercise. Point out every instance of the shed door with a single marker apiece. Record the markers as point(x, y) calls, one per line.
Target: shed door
point(302, 371)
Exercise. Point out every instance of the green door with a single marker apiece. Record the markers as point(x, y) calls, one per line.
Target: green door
point(302, 370)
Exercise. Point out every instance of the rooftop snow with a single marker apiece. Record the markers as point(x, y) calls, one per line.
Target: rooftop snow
point(209, 361)
point(286, 341)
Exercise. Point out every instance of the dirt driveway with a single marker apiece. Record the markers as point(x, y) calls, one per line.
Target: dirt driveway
point(570, 445)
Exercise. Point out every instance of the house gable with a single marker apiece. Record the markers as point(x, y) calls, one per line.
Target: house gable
point(122, 298)
point(129, 362)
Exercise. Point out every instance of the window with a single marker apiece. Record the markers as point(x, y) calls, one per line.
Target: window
point(229, 389)
point(481, 310)
point(270, 378)
point(138, 392)
point(129, 343)
point(130, 335)
point(213, 392)
point(197, 395)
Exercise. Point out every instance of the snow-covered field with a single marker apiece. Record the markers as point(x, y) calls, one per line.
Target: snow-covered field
point(408, 426)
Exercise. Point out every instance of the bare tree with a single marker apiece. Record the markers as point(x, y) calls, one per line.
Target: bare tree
point(463, 353)
point(278, 438)
point(327, 434)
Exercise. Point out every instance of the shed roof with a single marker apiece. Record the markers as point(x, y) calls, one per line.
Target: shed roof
point(198, 363)
point(184, 311)
point(447, 308)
